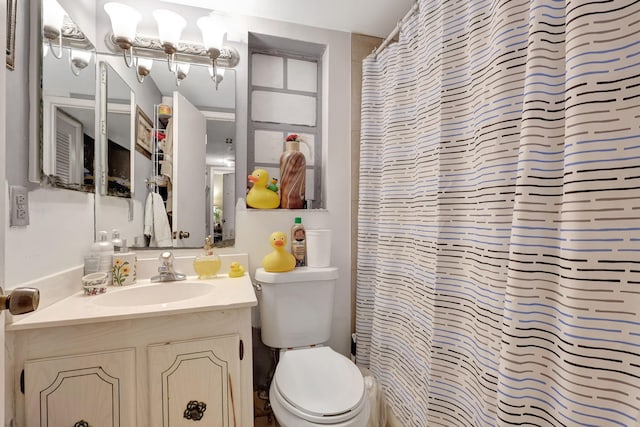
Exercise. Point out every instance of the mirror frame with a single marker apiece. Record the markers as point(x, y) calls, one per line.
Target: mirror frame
point(102, 159)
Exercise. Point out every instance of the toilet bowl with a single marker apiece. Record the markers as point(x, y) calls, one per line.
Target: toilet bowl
point(313, 385)
point(318, 387)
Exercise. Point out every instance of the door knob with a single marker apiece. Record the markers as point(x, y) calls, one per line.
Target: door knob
point(183, 234)
point(20, 300)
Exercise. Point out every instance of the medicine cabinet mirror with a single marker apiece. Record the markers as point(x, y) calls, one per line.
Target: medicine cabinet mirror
point(64, 144)
point(191, 165)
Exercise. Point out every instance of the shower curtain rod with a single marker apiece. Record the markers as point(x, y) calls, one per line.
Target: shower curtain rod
point(396, 30)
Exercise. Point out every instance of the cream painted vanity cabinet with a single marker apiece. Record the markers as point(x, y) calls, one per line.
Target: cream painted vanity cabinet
point(147, 365)
point(96, 389)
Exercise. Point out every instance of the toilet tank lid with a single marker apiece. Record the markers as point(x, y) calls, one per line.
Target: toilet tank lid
point(298, 274)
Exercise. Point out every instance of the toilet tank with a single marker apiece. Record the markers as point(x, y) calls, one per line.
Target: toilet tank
point(296, 307)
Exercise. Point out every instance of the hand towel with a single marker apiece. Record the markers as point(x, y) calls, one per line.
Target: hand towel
point(156, 222)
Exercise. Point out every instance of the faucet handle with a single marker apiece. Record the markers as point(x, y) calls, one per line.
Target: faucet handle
point(166, 258)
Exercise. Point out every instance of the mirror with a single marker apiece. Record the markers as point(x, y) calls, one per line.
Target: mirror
point(68, 99)
point(120, 203)
point(195, 181)
point(220, 178)
point(193, 174)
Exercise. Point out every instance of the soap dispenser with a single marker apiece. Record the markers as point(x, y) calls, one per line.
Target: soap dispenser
point(102, 251)
point(207, 264)
point(116, 241)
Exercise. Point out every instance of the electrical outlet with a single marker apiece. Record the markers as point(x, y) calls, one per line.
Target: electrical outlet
point(19, 206)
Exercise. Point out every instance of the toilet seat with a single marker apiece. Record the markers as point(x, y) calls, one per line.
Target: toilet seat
point(319, 385)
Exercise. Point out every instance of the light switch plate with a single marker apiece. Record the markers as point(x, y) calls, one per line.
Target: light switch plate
point(19, 199)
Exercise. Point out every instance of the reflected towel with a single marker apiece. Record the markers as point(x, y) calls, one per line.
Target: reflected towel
point(156, 222)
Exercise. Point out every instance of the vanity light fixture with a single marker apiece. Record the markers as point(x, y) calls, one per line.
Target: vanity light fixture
point(170, 26)
point(124, 21)
point(52, 19)
point(168, 44)
point(143, 68)
point(78, 60)
point(213, 32)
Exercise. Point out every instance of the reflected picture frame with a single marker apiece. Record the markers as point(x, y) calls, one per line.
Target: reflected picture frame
point(11, 33)
point(144, 133)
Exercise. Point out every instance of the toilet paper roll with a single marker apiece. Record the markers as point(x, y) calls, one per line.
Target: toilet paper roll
point(318, 248)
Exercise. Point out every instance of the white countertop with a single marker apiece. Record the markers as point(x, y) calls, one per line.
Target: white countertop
point(226, 293)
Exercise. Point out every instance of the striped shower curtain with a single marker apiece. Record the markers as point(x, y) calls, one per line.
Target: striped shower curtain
point(499, 217)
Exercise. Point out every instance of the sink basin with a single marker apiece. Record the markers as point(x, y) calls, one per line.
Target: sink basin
point(160, 293)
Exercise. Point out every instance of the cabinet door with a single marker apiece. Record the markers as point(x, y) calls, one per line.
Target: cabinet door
point(98, 389)
point(189, 164)
point(196, 380)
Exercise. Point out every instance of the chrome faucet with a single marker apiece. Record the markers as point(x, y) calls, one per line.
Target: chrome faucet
point(167, 273)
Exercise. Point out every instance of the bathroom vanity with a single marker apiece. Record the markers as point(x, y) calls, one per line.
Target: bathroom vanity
point(143, 355)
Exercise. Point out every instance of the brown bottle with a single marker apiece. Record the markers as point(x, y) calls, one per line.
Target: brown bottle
point(293, 172)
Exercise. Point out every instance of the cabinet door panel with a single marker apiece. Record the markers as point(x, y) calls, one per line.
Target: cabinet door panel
point(96, 388)
point(195, 381)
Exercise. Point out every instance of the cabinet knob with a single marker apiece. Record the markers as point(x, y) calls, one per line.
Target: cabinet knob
point(195, 410)
point(20, 300)
point(81, 423)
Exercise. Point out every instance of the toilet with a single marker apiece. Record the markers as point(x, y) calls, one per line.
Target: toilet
point(313, 385)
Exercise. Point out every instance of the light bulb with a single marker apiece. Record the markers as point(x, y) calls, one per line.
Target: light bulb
point(80, 58)
point(124, 20)
point(52, 19)
point(170, 26)
point(213, 31)
point(143, 68)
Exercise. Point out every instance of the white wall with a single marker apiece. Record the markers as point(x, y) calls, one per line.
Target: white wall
point(59, 234)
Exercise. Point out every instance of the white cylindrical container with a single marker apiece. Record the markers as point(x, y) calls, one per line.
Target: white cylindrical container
point(124, 268)
point(319, 248)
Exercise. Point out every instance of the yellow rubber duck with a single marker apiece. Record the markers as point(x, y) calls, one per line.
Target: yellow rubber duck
point(260, 196)
point(280, 260)
point(236, 270)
